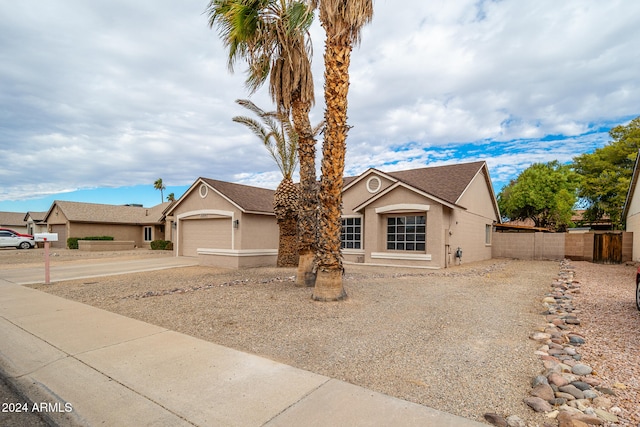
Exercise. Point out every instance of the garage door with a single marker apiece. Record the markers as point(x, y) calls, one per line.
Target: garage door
point(61, 229)
point(204, 233)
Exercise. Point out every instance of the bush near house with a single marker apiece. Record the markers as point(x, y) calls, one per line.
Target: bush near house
point(72, 242)
point(161, 245)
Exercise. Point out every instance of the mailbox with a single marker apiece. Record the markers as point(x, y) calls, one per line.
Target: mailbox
point(46, 237)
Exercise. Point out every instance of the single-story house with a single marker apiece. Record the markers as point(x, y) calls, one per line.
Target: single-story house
point(631, 210)
point(429, 217)
point(13, 220)
point(126, 222)
point(35, 222)
point(225, 224)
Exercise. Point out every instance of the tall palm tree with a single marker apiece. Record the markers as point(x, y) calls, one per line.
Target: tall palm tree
point(158, 185)
point(280, 139)
point(342, 21)
point(272, 36)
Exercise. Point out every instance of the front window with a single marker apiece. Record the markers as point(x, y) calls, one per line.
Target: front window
point(147, 234)
point(406, 233)
point(351, 235)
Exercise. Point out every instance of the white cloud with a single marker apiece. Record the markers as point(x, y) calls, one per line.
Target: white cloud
point(118, 93)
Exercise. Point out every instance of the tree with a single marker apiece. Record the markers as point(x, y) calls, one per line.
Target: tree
point(272, 36)
point(171, 197)
point(281, 140)
point(342, 21)
point(158, 185)
point(606, 173)
point(544, 192)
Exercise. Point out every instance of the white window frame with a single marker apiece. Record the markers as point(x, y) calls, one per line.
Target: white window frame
point(144, 232)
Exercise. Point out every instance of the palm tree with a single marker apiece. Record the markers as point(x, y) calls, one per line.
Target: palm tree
point(158, 185)
point(342, 21)
point(272, 36)
point(171, 197)
point(280, 139)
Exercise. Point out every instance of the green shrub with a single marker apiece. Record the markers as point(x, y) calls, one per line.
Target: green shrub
point(72, 242)
point(161, 245)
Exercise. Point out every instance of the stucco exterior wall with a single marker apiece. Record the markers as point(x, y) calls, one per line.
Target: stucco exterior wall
point(633, 226)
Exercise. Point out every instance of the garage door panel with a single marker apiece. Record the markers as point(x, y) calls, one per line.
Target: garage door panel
point(204, 233)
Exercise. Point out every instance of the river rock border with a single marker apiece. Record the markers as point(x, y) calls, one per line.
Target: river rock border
point(567, 390)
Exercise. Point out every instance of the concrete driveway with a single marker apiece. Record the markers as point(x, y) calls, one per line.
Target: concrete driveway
point(72, 270)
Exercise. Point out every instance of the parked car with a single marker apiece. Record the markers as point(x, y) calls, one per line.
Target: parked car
point(15, 232)
point(638, 288)
point(11, 239)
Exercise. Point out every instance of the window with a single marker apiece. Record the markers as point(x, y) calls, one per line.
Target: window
point(487, 234)
point(147, 234)
point(351, 235)
point(406, 233)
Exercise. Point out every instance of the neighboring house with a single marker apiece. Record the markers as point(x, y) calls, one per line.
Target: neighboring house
point(125, 222)
point(14, 221)
point(225, 224)
point(417, 217)
point(35, 222)
point(631, 210)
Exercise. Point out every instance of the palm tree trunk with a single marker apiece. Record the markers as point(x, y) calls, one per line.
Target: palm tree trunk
point(285, 206)
point(308, 215)
point(337, 54)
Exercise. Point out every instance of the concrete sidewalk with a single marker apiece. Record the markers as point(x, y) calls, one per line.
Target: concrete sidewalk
point(81, 365)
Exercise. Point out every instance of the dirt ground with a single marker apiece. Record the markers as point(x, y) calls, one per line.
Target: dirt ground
point(454, 339)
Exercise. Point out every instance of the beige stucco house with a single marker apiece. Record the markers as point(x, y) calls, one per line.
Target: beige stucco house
point(14, 221)
point(417, 218)
point(225, 224)
point(128, 223)
point(631, 210)
point(35, 222)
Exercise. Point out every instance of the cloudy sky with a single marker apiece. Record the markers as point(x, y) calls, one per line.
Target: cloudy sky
point(101, 98)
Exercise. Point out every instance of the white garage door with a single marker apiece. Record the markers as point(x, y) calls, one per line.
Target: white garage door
point(204, 233)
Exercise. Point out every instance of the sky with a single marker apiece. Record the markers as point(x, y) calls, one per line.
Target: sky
point(99, 99)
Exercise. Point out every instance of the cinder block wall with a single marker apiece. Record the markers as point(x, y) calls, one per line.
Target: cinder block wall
point(529, 245)
point(513, 245)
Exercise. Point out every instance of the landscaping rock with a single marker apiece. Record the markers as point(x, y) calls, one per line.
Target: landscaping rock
point(538, 404)
point(581, 369)
point(496, 420)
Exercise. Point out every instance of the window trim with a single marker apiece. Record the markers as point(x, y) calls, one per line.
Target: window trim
point(404, 241)
point(144, 233)
point(361, 240)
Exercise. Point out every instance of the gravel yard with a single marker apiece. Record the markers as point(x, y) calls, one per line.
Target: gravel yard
point(454, 339)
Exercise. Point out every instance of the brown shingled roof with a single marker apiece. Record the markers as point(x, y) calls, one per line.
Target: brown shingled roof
point(112, 214)
point(247, 198)
point(445, 182)
point(12, 219)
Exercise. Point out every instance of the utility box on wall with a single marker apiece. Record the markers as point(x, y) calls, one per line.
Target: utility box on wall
point(46, 237)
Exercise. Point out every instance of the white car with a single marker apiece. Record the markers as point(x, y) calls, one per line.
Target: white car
point(10, 239)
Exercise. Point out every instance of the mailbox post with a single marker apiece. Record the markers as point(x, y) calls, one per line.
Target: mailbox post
point(47, 238)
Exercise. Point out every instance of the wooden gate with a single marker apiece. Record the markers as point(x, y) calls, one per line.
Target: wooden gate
point(607, 248)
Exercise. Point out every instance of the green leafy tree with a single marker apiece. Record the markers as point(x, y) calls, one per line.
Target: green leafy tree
point(544, 193)
point(171, 197)
point(606, 174)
